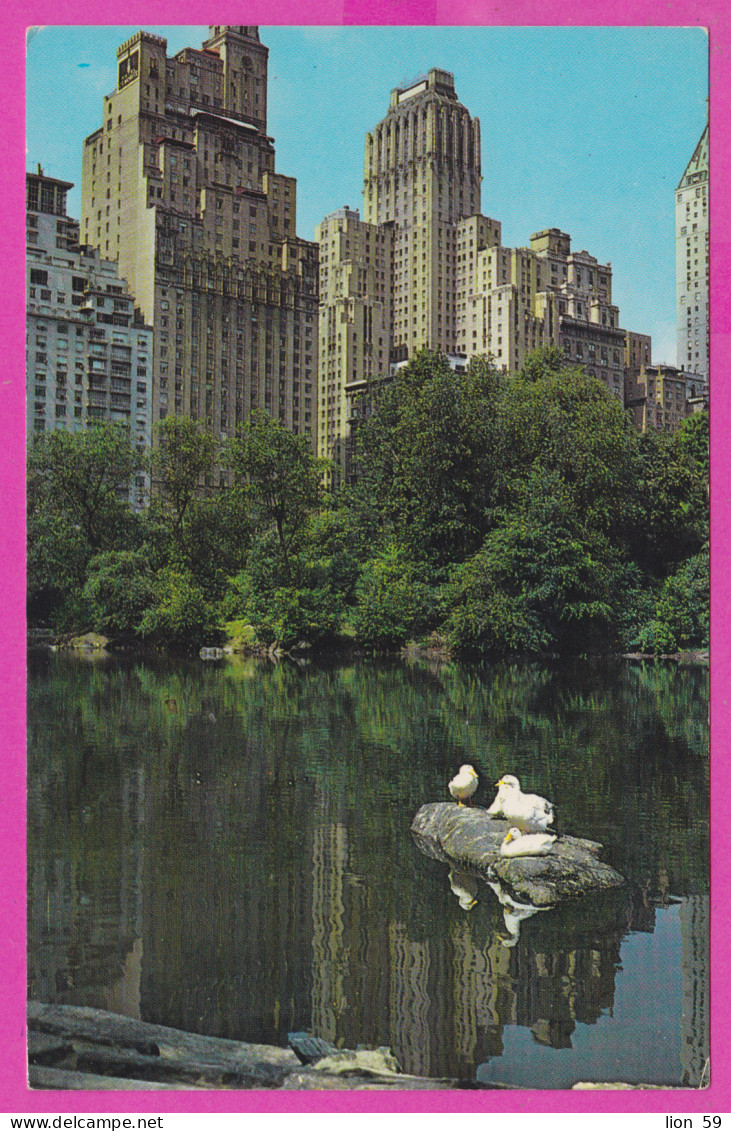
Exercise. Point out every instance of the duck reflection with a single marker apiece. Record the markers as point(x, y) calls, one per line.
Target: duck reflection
point(464, 887)
point(513, 913)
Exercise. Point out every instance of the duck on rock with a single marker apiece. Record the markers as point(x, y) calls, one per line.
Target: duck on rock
point(517, 843)
point(527, 809)
point(463, 784)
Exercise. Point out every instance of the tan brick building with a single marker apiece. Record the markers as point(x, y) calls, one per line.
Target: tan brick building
point(355, 320)
point(662, 396)
point(179, 186)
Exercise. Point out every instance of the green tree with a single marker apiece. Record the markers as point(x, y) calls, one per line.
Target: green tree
point(119, 589)
point(682, 614)
point(390, 600)
point(179, 614)
point(282, 478)
point(558, 418)
point(539, 583)
point(183, 455)
point(77, 500)
point(85, 476)
point(424, 457)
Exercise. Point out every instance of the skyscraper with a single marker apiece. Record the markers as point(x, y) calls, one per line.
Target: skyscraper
point(422, 172)
point(691, 262)
point(179, 186)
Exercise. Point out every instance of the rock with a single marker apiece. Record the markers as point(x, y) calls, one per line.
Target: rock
point(309, 1048)
point(469, 839)
point(89, 642)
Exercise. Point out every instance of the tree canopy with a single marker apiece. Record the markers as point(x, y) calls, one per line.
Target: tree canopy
point(491, 512)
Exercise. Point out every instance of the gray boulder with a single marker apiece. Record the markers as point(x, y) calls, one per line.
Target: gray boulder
point(469, 839)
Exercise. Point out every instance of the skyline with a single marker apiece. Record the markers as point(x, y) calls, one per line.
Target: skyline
point(556, 147)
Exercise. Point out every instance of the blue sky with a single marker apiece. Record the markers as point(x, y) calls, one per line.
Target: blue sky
point(584, 129)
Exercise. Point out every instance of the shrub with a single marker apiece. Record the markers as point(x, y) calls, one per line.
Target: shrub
point(119, 588)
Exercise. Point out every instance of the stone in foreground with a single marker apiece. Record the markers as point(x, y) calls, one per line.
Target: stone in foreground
point(470, 840)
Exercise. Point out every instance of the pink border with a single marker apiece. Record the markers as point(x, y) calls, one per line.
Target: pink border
point(14, 1097)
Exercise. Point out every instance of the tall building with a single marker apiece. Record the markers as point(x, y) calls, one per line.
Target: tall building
point(89, 353)
point(453, 286)
point(691, 262)
point(422, 172)
point(179, 186)
point(355, 320)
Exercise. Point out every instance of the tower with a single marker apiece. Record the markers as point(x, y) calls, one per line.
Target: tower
point(691, 262)
point(179, 186)
point(422, 172)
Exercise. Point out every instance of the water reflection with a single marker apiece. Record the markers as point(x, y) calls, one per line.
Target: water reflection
point(513, 913)
point(225, 848)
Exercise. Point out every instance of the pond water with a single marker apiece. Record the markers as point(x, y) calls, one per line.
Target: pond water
point(225, 848)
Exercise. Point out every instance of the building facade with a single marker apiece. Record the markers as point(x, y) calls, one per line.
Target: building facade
point(89, 353)
point(354, 321)
point(662, 396)
point(692, 263)
point(422, 173)
point(179, 186)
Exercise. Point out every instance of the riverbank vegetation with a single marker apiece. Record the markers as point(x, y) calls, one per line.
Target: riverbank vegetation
point(489, 513)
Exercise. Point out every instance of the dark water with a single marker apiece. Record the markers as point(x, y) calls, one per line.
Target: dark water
point(225, 848)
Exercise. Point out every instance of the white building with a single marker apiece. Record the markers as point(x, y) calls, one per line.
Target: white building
point(691, 262)
point(89, 355)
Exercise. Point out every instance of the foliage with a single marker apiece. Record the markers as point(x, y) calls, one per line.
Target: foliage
point(681, 619)
point(179, 613)
point(390, 600)
point(282, 477)
point(77, 491)
point(518, 513)
point(85, 476)
point(539, 583)
point(182, 457)
point(424, 457)
point(565, 422)
point(118, 590)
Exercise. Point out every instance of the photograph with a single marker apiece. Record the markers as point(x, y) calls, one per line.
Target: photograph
point(367, 584)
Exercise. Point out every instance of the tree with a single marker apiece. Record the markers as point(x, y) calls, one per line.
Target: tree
point(282, 477)
point(558, 418)
point(183, 455)
point(390, 600)
point(119, 589)
point(424, 457)
point(681, 619)
point(85, 476)
point(539, 583)
point(179, 613)
point(77, 491)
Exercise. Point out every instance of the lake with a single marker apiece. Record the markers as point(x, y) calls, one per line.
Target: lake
point(224, 847)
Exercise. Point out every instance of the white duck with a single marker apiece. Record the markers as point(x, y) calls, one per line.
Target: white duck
point(463, 784)
point(524, 808)
point(517, 843)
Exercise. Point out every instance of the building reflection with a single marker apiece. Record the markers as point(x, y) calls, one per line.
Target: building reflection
point(695, 1021)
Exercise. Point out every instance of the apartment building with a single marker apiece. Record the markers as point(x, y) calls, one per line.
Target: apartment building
point(662, 396)
point(355, 320)
point(454, 286)
point(179, 186)
point(89, 353)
